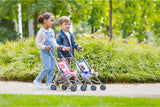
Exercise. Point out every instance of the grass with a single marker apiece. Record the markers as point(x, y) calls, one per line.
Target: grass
point(59, 100)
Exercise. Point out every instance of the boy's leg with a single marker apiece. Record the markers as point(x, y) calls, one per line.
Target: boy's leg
point(59, 77)
point(69, 62)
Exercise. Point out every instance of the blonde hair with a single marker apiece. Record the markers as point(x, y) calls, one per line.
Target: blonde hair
point(63, 19)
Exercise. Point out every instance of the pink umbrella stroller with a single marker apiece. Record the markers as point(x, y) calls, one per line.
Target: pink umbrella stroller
point(66, 72)
point(85, 73)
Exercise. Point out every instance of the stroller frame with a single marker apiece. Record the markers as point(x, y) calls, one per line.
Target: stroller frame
point(61, 72)
point(84, 86)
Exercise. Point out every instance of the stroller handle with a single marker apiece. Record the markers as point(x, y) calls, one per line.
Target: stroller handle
point(74, 59)
point(56, 63)
point(84, 59)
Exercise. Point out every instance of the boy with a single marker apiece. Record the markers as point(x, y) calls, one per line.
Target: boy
point(65, 38)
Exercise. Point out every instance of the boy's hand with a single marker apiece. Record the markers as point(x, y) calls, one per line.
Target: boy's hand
point(67, 48)
point(47, 48)
point(59, 47)
point(79, 47)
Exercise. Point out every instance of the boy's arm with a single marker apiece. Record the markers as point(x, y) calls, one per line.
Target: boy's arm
point(74, 44)
point(59, 42)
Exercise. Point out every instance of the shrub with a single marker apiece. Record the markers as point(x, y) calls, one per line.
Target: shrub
point(116, 61)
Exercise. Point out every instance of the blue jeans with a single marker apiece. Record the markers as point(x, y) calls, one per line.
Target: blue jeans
point(48, 68)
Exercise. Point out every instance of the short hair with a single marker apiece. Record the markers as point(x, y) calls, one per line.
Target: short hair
point(63, 19)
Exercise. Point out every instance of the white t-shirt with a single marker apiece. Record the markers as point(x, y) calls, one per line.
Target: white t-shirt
point(69, 37)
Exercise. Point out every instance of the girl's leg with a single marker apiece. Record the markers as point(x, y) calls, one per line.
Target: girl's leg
point(46, 61)
point(50, 74)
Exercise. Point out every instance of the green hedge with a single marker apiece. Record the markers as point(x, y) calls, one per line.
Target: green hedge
point(116, 61)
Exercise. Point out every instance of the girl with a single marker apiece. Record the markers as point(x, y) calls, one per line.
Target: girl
point(46, 42)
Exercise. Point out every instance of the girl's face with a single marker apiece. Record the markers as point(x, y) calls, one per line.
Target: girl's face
point(49, 22)
point(65, 26)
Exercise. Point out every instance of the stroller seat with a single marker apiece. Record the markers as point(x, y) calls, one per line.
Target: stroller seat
point(87, 73)
point(67, 72)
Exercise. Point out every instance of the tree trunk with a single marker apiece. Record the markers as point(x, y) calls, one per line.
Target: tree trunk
point(92, 16)
point(35, 21)
point(92, 29)
point(110, 19)
point(30, 28)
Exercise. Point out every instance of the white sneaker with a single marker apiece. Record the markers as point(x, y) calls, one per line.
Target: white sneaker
point(38, 84)
point(48, 86)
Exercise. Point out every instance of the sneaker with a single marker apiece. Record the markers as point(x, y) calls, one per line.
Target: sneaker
point(57, 84)
point(48, 86)
point(38, 84)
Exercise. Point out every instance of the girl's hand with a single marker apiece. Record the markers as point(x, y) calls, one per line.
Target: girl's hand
point(79, 47)
point(47, 48)
point(59, 47)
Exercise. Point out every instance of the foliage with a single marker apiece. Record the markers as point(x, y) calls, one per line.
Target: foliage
point(7, 32)
point(136, 18)
point(19, 60)
point(7, 35)
point(130, 17)
point(120, 60)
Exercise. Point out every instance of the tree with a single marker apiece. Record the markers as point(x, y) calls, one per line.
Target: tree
point(110, 19)
point(7, 17)
point(129, 18)
point(135, 18)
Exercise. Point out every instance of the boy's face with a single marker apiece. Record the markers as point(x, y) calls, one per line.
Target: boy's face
point(65, 26)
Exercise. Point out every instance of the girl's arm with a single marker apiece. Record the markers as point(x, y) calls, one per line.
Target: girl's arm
point(54, 41)
point(40, 39)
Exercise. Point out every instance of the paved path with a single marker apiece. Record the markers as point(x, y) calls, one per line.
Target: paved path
point(126, 90)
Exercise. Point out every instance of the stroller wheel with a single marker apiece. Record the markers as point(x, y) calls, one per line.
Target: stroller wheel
point(75, 85)
point(93, 87)
point(102, 87)
point(73, 88)
point(53, 87)
point(64, 87)
point(83, 88)
point(85, 85)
